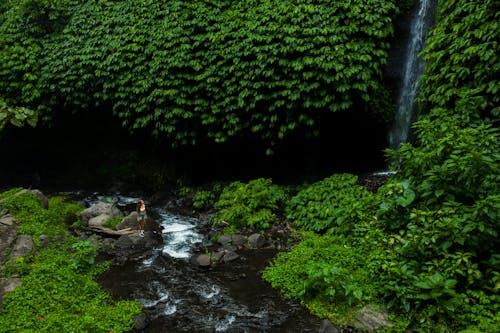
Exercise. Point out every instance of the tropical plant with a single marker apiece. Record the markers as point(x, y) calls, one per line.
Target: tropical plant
point(255, 204)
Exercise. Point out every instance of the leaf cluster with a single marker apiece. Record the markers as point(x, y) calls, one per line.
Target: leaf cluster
point(255, 204)
point(201, 69)
point(334, 202)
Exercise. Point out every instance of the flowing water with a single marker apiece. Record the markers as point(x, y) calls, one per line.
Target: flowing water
point(421, 22)
point(179, 297)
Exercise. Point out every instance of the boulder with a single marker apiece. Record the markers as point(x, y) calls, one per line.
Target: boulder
point(99, 209)
point(129, 221)
point(201, 260)
point(256, 241)
point(371, 318)
point(98, 221)
point(230, 256)
point(24, 245)
point(238, 239)
point(224, 240)
point(328, 327)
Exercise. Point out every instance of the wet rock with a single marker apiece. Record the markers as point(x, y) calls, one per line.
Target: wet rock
point(129, 221)
point(217, 256)
point(23, 246)
point(201, 260)
point(256, 241)
point(224, 240)
point(108, 244)
point(328, 327)
point(230, 256)
point(238, 239)
point(371, 318)
point(141, 322)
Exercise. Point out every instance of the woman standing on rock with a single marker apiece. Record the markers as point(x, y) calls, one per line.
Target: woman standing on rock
point(142, 216)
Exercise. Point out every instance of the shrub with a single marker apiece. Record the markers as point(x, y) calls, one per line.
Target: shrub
point(255, 204)
point(334, 202)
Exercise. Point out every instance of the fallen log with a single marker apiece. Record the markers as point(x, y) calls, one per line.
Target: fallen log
point(112, 232)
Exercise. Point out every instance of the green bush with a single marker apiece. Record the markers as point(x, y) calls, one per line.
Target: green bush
point(326, 273)
point(334, 202)
point(35, 219)
point(58, 292)
point(55, 297)
point(255, 204)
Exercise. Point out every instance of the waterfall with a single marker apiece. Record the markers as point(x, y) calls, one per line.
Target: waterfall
point(421, 21)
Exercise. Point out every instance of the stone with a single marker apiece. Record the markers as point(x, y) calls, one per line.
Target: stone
point(238, 239)
point(98, 221)
point(201, 260)
point(7, 220)
point(256, 241)
point(328, 327)
point(99, 209)
point(230, 256)
point(129, 221)
point(224, 240)
point(370, 318)
point(24, 245)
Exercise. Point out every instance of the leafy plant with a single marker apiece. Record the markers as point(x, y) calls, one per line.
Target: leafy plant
point(334, 202)
point(254, 204)
point(198, 70)
point(65, 271)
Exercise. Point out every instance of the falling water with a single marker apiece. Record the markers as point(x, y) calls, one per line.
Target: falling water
point(422, 20)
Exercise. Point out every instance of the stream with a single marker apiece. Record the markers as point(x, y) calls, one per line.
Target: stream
point(180, 297)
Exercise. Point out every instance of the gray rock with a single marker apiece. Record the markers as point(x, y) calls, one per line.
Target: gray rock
point(217, 256)
point(328, 327)
point(370, 318)
point(8, 219)
point(230, 256)
point(141, 322)
point(10, 284)
point(23, 246)
point(129, 221)
point(224, 240)
point(238, 239)
point(99, 209)
point(98, 221)
point(256, 241)
point(201, 260)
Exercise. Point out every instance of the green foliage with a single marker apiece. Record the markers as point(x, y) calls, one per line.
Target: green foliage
point(254, 204)
point(462, 60)
point(203, 199)
point(56, 297)
point(334, 202)
point(83, 256)
point(58, 292)
point(194, 70)
point(18, 116)
point(324, 272)
point(36, 220)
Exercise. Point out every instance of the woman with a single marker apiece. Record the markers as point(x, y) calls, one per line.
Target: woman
point(142, 216)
